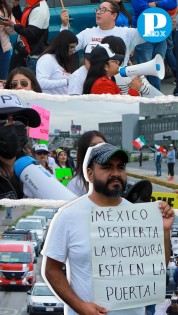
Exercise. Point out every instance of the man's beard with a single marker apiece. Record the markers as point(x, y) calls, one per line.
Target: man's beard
point(102, 188)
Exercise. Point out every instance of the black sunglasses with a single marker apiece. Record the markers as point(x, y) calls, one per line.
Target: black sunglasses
point(15, 83)
point(41, 152)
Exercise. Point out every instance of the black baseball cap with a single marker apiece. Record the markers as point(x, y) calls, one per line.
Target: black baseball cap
point(12, 105)
point(104, 52)
point(101, 154)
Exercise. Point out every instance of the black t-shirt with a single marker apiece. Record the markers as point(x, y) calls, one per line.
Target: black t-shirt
point(10, 188)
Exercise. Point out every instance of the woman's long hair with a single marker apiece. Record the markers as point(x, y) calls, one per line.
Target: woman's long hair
point(83, 144)
point(27, 73)
point(96, 71)
point(67, 163)
point(59, 47)
point(174, 304)
point(4, 7)
point(125, 12)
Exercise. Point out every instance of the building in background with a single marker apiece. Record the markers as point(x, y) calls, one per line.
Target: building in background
point(152, 120)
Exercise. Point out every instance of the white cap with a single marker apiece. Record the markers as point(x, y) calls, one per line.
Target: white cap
point(88, 49)
point(41, 147)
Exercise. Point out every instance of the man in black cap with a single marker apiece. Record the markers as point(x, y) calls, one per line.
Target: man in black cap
point(14, 118)
point(69, 235)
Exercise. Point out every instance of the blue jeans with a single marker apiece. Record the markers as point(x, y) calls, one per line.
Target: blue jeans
point(171, 59)
point(146, 52)
point(4, 63)
point(31, 64)
point(158, 169)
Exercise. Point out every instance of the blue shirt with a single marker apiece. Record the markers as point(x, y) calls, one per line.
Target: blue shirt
point(122, 20)
point(171, 156)
point(140, 5)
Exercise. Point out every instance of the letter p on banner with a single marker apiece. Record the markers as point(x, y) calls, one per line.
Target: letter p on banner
point(154, 25)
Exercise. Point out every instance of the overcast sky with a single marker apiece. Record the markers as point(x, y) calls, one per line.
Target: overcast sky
point(85, 112)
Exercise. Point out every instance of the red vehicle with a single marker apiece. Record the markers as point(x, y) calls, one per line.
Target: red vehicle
point(17, 263)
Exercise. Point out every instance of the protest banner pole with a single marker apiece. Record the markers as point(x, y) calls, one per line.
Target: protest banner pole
point(62, 4)
point(63, 7)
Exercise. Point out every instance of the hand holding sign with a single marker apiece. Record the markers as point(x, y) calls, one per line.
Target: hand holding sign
point(167, 214)
point(64, 15)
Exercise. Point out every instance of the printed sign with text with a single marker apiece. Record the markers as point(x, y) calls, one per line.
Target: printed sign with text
point(41, 132)
point(128, 256)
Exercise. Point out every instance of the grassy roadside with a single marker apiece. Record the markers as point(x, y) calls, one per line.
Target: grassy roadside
point(24, 215)
point(29, 211)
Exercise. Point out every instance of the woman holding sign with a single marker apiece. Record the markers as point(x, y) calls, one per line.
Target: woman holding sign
point(64, 169)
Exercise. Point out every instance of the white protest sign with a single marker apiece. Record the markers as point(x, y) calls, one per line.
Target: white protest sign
point(128, 257)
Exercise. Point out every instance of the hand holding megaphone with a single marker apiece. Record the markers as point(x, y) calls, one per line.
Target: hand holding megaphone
point(136, 83)
point(153, 67)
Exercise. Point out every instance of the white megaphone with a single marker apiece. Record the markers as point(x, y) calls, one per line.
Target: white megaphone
point(39, 181)
point(153, 67)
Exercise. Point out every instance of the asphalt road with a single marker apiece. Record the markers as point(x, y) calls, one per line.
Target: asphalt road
point(149, 165)
point(13, 300)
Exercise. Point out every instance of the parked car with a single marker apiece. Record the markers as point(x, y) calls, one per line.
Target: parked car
point(17, 259)
point(32, 225)
point(41, 300)
point(17, 234)
point(36, 242)
point(48, 213)
point(42, 219)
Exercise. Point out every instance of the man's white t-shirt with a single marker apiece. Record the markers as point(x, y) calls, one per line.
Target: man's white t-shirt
point(129, 35)
point(69, 237)
point(41, 11)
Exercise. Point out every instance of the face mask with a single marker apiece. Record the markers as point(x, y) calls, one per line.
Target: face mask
point(22, 135)
point(9, 143)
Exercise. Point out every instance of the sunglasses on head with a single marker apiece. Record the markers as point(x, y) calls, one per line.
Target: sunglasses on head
point(15, 83)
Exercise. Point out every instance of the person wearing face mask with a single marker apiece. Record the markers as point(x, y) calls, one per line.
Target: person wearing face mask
point(13, 137)
point(32, 27)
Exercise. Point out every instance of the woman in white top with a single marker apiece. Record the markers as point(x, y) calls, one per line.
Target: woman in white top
point(57, 63)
